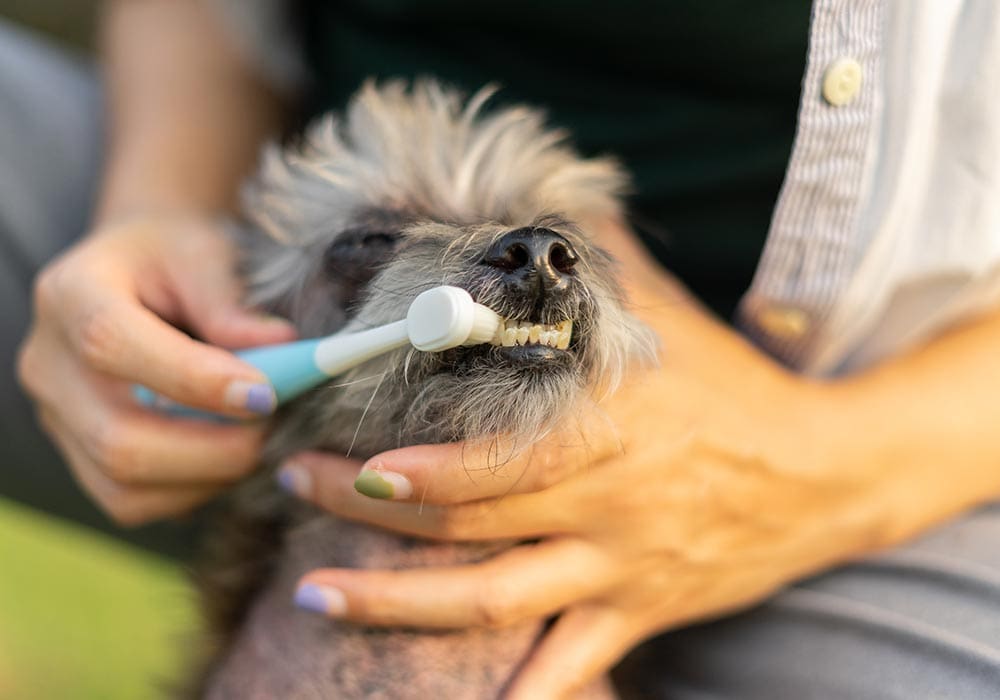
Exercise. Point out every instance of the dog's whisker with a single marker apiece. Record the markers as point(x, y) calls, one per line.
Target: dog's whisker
point(354, 439)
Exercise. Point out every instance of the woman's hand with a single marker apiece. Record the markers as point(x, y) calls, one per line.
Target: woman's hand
point(699, 488)
point(103, 315)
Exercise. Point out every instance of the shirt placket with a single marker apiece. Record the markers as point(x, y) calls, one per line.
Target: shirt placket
point(813, 243)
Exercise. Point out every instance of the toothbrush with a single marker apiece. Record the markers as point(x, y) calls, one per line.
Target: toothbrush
point(438, 319)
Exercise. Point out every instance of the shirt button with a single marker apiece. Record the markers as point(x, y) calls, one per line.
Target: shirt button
point(842, 81)
point(786, 323)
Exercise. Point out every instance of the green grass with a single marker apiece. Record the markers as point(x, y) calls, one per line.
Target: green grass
point(83, 616)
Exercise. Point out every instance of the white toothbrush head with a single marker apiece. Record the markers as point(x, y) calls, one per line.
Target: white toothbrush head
point(446, 317)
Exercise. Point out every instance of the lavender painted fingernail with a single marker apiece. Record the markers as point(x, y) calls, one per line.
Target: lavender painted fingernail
point(248, 396)
point(295, 480)
point(321, 599)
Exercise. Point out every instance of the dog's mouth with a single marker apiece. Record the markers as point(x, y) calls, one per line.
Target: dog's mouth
point(523, 344)
point(516, 333)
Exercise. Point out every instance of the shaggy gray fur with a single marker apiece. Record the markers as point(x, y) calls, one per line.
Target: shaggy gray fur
point(405, 193)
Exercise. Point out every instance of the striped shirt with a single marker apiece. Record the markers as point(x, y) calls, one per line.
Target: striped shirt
point(887, 228)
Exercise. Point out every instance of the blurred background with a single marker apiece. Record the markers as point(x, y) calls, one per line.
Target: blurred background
point(83, 614)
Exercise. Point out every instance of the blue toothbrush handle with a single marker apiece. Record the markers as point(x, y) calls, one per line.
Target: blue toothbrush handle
point(290, 368)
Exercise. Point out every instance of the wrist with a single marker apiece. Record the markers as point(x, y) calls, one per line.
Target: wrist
point(839, 505)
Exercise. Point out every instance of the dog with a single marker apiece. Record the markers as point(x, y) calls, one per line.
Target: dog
point(412, 188)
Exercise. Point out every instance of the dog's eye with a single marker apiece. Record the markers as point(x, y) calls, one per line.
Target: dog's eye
point(355, 256)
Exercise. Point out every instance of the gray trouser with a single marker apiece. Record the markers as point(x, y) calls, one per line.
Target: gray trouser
point(920, 622)
point(50, 152)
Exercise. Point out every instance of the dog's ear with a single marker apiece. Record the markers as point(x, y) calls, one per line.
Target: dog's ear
point(265, 267)
point(287, 280)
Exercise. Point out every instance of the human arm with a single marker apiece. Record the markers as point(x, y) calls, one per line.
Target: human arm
point(732, 478)
point(186, 118)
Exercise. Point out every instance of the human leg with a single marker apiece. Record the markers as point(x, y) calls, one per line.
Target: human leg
point(921, 621)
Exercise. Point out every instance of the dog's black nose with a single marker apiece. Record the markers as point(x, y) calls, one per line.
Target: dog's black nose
point(530, 256)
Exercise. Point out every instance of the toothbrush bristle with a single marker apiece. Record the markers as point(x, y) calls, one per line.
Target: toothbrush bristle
point(484, 326)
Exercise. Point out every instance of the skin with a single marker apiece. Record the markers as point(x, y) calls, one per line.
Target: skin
point(186, 117)
point(742, 479)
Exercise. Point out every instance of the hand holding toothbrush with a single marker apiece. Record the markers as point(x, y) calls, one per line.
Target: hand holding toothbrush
point(438, 319)
point(102, 323)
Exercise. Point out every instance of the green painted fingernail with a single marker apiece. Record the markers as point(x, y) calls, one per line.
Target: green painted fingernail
point(384, 485)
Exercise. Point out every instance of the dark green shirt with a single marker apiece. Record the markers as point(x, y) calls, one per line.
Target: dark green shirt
point(697, 97)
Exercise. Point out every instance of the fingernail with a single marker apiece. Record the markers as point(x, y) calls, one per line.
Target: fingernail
point(271, 319)
point(321, 599)
point(257, 398)
point(385, 485)
point(295, 480)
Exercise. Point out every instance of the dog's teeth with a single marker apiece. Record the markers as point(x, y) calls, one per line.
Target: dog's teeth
point(511, 332)
point(565, 334)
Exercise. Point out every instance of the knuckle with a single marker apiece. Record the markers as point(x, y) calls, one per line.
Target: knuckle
point(547, 475)
point(48, 286)
point(214, 325)
point(495, 605)
point(99, 338)
point(551, 467)
point(111, 449)
point(120, 503)
point(126, 510)
point(458, 522)
point(29, 374)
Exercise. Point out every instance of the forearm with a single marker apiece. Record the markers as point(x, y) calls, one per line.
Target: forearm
point(924, 425)
point(186, 113)
point(913, 440)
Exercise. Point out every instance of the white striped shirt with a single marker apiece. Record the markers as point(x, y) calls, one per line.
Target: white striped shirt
point(887, 228)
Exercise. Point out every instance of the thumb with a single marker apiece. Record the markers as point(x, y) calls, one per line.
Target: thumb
point(232, 326)
point(210, 295)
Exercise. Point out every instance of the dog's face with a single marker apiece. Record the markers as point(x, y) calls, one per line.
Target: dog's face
point(356, 256)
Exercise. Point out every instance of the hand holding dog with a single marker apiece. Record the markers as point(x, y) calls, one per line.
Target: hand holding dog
point(699, 488)
point(102, 322)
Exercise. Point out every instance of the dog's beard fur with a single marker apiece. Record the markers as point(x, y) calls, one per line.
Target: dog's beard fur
point(408, 193)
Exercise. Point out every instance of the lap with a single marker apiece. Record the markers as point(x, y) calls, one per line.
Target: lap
point(920, 621)
point(51, 137)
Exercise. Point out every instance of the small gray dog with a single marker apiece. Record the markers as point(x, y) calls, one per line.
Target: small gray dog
point(414, 188)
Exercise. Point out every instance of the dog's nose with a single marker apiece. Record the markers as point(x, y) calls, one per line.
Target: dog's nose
point(531, 255)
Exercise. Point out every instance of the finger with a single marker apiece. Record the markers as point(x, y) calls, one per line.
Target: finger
point(132, 446)
point(585, 642)
point(141, 448)
point(126, 505)
point(460, 472)
point(120, 338)
point(210, 296)
point(526, 582)
point(328, 481)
